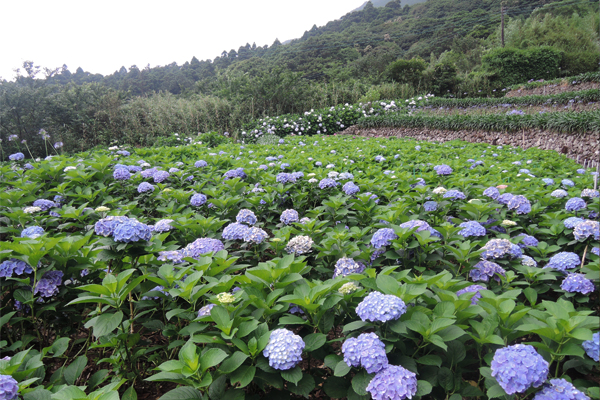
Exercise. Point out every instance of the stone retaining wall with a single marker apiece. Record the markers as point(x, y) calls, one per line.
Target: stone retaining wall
point(585, 146)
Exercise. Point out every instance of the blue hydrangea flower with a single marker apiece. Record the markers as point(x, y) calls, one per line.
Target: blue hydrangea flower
point(515, 251)
point(527, 241)
point(559, 389)
point(559, 193)
point(255, 235)
point(9, 387)
point(289, 216)
point(454, 195)
point(596, 250)
point(563, 261)
point(235, 231)
point(430, 206)
point(298, 175)
point(572, 222)
point(420, 182)
point(235, 173)
point(145, 187)
point(14, 266)
point(164, 225)
point(471, 228)
point(575, 204)
point(284, 350)
point(505, 198)
point(106, 226)
point(327, 183)
point(592, 347)
point(528, 261)
point(380, 307)
point(198, 199)
point(350, 188)
point(586, 229)
point(173, 170)
point(366, 351)
point(383, 237)
point(442, 169)
point(48, 285)
point(32, 232)
point(200, 164)
point(484, 270)
point(132, 231)
point(160, 176)
point(160, 289)
point(567, 183)
point(496, 248)
point(518, 367)
point(591, 193)
point(246, 217)
point(44, 204)
point(205, 311)
point(16, 157)
point(472, 289)
point(520, 204)
point(393, 383)
point(134, 168)
point(58, 200)
point(284, 178)
point(346, 266)
point(577, 283)
point(548, 181)
point(415, 223)
point(121, 174)
point(372, 196)
point(173, 256)
point(299, 245)
point(202, 246)
point(344, 176)
point(148, 173)
point(124, 153)
point(492, 193)
point(28, 166)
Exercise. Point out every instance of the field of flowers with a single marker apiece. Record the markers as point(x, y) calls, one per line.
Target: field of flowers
point(315, 267)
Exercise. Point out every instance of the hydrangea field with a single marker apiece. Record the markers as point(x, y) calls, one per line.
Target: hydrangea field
point(314, 267)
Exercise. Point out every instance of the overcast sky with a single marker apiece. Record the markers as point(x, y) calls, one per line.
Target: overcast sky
point(101, 36)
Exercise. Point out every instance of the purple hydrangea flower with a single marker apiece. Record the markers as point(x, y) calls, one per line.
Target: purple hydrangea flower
point(528, 261)
point(284, 350)
point(577, 283)
point(235, 173)
point(505, 198)
point(198, 199)
point(492, 193)
point(560, 389)
point(289, 216)
point(174, 256)
point(235, 231)
point(148, 173)
point(32, 232)
point(496, 248)
point(160, 176)
point(559, 193)
point(471, 228)
point(383, 237)
point(527, 241)
point(518, 367)
point(346, 266)
point(380, 307)
point(48, 285)
point(145, 187)
point(484, 270)
point(567, 183)
point(134, 168)
point(16, 157)
point(393, 383)
point(246, 217)
point(596, 250)
point(591, 193)
point(202, 246)
point(592, 347)
point(442, 169)
point(575, 204)
point(586, 229)
point(200, 164)
point(9, 387)
point(454, 195)
point(164, 225)
point(121, 174)
point(255, 235)
point(430, 206)
point(299, 245)
point(572, 222)
point(563, 261)
point(132, 231)
point(284, 178)
point(205, 311)
point(44, 204)
point(548, 181)
point(14, 266)
point(106, 226)
point(366, 351)
point(327, 183)
point(350, 188)
point(520, 204)
point(472, 289)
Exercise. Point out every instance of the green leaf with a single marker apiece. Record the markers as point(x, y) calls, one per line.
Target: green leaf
point(74, 370)
point(68, 393)
point(220, 316)
point(361, 381)
point(233, 362)
point(304, 387)
point(352, 326)
point(314, 341)
point(130, 394)
point(423, 388)
point(6, 317)
point(59, 346)
point(387, 285)
point(292, 375)
point(243, 375)
point(430, 360)
point(495, 391)
point(189, 356)
point(211, 358)
point(341, 369)
point(216, 391)
point(446, 378)
point(105, 323)
point(38, 394)
point(336, 387)
point(182, 393)
point(98, 377)
point(531, 295)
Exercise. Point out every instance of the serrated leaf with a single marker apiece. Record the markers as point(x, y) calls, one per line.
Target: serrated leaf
point(293, 375)
point(73, 371)
point(360, 382)
point(211, 358)
point(182, 393)
point(423, 388)
point(314, 341)
point(341, 369)
point(233, 362)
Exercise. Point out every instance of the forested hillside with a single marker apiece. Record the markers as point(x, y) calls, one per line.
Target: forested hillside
point(445, 47)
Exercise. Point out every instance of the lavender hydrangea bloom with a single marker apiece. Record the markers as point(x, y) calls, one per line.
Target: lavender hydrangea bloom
point(148, 173)
point(471, 228)
point(559, 193)
point(586, 229)
point(393, 383)
point(284, 178)
point(235, 173)
point(200, 164)
point(577, 283)
point(205, 311)
point(442, 169)
point(484, 270)
point(132, 231)
point(383, 237)
point(454, 195)
point(16, 157)
point(492, 193)
point(520, 204)
point(202, 246)
point(430, 206)
point(145, 187)
point(346, 266)
point(350, 188)
point(48, 285)
point(198, 199)
point(505, 198)
point(528, 261)
point(420, 182)
point(14, 266)
point(527, 241)
point(106, 226)
point(44, 204)
point(299, 245)
point(380, 307)
point(9, 387)
point(567, 183)
point(592, 347)
point(548, 181)
point(472, 289)
point(596, 250)
point(164, 225)
point(591, 193)
point(32, 232)
point(575, 204)
point(173, 256)
point(255, 235)
point(134, 168)
point(560, 389)
point(160, 289)
point(496, 248)
point(289, 216)
point(235, 231)
point(160, 176)
point(563, 261)
point(246, 217)
point(572, 222)
point(121, 174)
point(366, 351)
point(327, 183)
point(284, 350)
point(518, 367)
point(372, 196)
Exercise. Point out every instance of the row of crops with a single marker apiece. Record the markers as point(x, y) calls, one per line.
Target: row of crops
point(322, 267)
point(571, 80)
